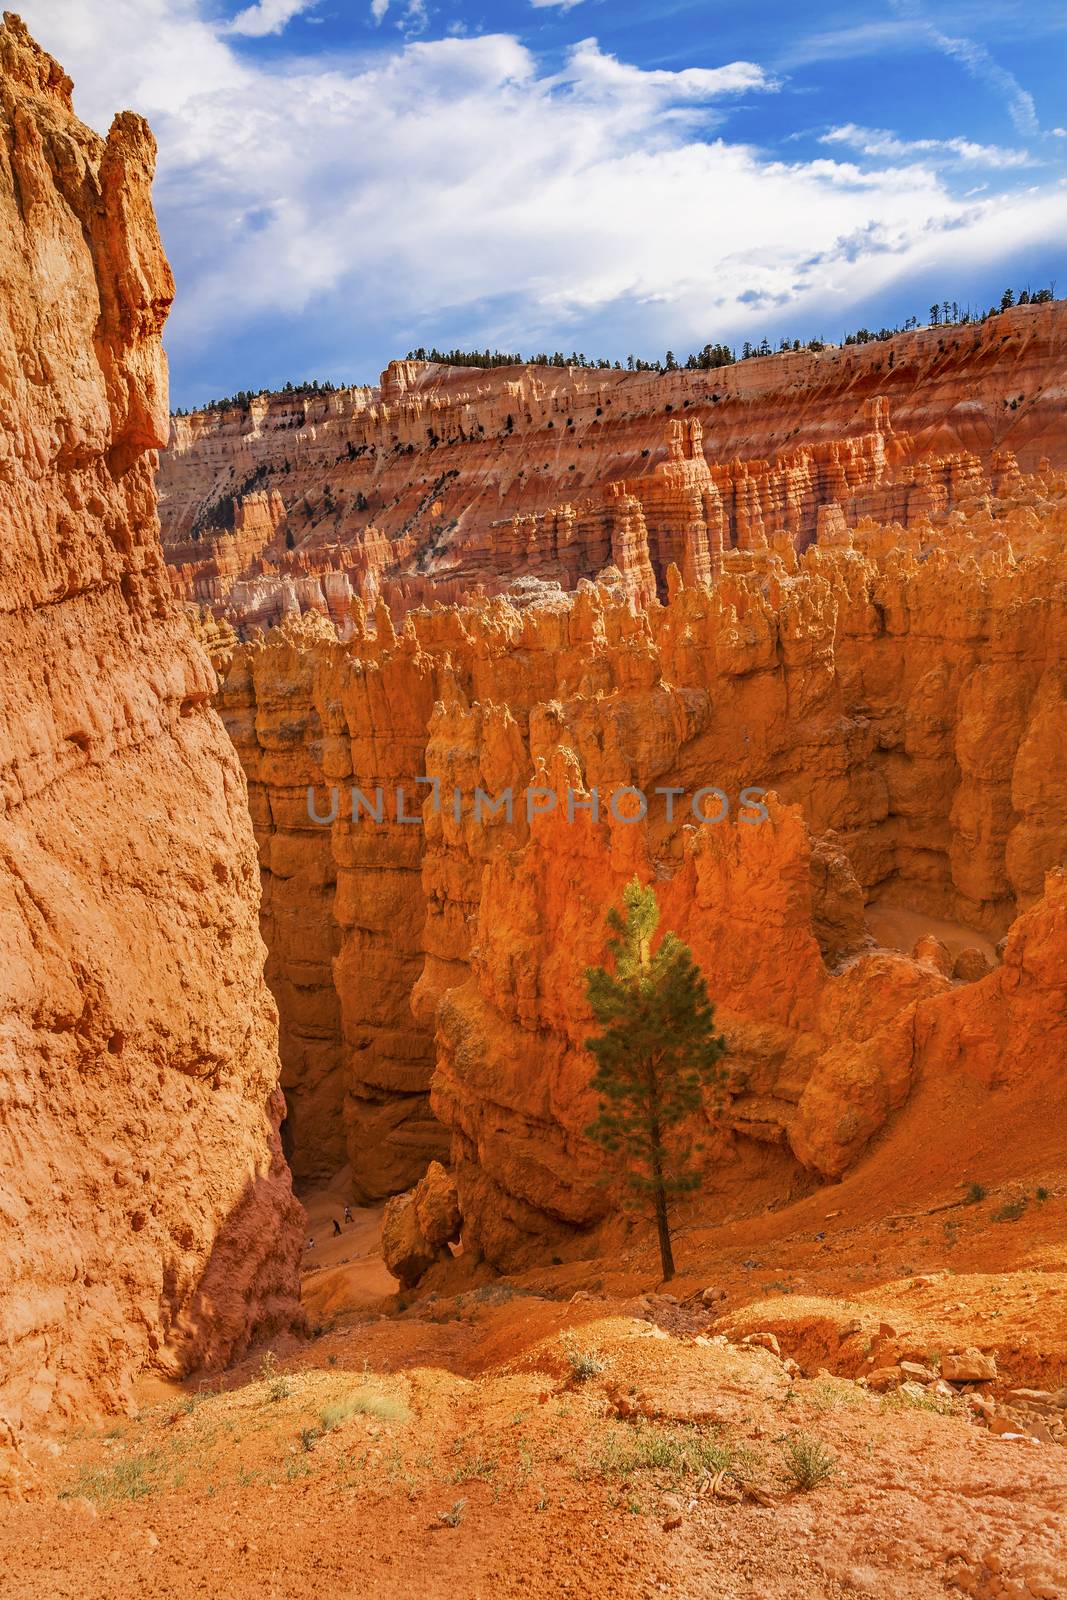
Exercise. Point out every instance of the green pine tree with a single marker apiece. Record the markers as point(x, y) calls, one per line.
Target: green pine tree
point(657, 1056)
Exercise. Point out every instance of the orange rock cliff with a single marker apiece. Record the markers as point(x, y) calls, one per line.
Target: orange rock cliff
point(147, 1217)
point(837, 579)
point(899, 691)
point(834, 575)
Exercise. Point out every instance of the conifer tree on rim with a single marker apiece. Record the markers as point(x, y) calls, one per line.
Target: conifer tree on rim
point(658, 1055)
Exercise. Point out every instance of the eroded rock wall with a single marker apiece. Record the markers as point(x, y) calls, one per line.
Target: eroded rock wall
point(901, 687)
point(146, 1213)
point(441, 480)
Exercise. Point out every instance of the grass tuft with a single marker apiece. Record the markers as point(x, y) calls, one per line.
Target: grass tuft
point(807, 1464)
point(678, 1452)
point(363, 1403)
point(585, 1364)
point(131, 1479)
point(473, 1467)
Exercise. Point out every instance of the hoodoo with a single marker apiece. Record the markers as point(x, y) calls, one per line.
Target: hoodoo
point(146, 1214)
point(894, 688)
point(443, 481)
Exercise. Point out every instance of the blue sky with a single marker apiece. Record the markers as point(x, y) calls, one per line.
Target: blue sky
point(340, 182)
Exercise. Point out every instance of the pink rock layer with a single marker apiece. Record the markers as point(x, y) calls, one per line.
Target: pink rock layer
point(444, 482)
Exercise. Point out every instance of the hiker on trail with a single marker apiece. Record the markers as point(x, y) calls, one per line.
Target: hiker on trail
point(336, 1228)
point(348, 1213)
point(311, 1244)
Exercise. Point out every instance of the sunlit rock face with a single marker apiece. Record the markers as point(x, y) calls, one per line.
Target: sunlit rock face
point(146, 1214)
point(896, 689)
point(442, 482)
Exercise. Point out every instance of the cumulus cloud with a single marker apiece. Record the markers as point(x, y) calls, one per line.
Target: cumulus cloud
point(594, 72)
point(457, 189)
point(880, 142)
point(268, 16)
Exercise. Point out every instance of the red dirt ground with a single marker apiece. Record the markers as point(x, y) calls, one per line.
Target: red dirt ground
point(572, 1432)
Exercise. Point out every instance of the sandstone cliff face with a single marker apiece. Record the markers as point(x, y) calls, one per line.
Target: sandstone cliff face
point(442, 480)
point(146, 1214)
point(899, 691)
point(343, 906)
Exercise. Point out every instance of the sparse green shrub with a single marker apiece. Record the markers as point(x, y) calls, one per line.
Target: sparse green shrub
point(902, 1398)
point(807, 1464)
point(585, 1364)
point(680, 1452)
point(131, 1479)
point(975, 1194)
point(472, 1467)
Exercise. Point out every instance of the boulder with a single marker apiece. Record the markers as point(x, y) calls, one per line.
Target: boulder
point(763, 1341)
point(968, 1366)
point(405, 1249)
point(933, 953)
point(437, 1207)
point(970, 965)
point(419, 1226)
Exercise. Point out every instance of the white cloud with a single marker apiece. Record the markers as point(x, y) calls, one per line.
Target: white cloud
point(910, 29)
point(884, 144)
point(453, 189)
point(981, 65)
point(415, 18)
point(562, 5)
point(978, 61)
point(843, 44)
point(268, 16)
point(378, 8)
point(594, 72)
